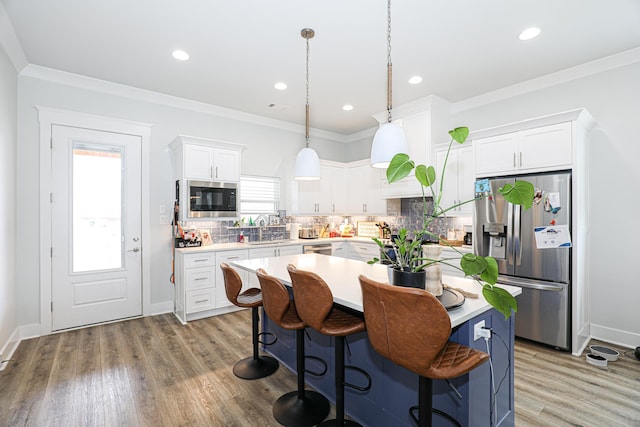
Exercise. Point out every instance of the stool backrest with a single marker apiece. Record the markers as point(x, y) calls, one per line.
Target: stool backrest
point(408, 326)
point(232, 282)
point(275, 297)
point(313, 297)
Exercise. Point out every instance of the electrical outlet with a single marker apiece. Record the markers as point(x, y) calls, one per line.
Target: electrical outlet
point(477, 330)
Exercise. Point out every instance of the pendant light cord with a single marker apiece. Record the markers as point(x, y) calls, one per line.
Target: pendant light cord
point(389, 66)
point(306, 134)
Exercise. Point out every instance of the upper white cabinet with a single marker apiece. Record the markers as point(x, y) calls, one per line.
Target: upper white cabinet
point(363, 189)
point(206, 160)
point(327, 195)
point(531, 150)
point(417, 127)
point(458, 179)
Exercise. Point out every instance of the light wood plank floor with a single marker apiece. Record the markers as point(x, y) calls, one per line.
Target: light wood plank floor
point(156, 372)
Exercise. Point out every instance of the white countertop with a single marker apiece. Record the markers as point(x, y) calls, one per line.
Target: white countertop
point(233, 246)
point(341, 275)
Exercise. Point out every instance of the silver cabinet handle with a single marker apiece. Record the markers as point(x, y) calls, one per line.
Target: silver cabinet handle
point(514, 160)
point(210, 171)
point(521, 159)
point(202, 260)
point(216, 171)
point(200, 278)
point(233, 257)
point(202, 300)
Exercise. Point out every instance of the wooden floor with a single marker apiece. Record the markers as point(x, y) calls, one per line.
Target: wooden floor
point(156, 372)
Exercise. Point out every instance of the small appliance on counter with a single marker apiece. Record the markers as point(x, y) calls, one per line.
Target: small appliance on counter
point(468, 235)
point(308, 233)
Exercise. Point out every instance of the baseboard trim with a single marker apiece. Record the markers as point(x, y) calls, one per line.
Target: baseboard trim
point(160, 308)
point(615, 336)
point(9, 348)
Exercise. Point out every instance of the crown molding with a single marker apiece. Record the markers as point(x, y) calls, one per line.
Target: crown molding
point(9, 41)
point(117, 89)
point(598, 66)
point(426, 103)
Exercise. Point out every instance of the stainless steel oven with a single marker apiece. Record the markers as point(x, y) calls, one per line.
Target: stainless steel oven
point(212, 199)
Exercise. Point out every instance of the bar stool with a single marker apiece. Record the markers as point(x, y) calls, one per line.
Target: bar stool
point(301, 407)
point(256, 366)
point(396, 320)
point(314, 302)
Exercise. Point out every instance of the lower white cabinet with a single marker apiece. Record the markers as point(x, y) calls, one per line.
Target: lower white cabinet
point(364, 251)
point(227, 257)
point(270, 252)
point(340, 249)
point(448, 252)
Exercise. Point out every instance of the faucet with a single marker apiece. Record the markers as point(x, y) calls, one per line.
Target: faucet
point(261, 221)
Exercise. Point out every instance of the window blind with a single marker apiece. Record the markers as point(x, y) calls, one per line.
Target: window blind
point(259, 195)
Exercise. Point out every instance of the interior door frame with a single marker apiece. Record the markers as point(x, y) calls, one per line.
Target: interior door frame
point(48, 117)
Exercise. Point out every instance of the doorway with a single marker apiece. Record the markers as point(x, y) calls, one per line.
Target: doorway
point(93, 265)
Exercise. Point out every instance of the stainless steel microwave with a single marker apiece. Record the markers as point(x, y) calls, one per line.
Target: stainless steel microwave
point(212, 199)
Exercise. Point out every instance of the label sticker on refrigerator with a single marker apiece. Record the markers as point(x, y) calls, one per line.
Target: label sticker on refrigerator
point(557, 236)
point(482, 186)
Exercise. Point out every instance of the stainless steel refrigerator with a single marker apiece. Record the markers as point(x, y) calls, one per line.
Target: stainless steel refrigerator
point(508, 233)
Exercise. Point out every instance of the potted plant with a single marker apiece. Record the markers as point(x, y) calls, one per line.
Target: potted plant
point(409, 257)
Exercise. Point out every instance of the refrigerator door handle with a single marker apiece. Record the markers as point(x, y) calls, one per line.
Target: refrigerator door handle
point(509, 234)
point(516, 235)
point(529, 284)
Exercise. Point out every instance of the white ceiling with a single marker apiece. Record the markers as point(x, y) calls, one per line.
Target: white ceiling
point(240, 48)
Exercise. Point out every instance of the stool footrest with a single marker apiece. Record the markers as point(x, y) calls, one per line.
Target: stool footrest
point(269, 334)
point(435, 411)
point(317, 373)
point(363, 372)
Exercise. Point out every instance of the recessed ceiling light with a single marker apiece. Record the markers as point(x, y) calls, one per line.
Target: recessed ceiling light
point(347, 107)
point(280, 86)
point(415, 80)
point(180, 55)
point(529, 33)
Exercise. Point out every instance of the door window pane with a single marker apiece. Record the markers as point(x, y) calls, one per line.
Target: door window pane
point(97, 208)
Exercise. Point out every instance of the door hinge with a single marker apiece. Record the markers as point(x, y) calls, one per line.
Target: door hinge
point(51, 305)
point(51, 251)
point(50, 197)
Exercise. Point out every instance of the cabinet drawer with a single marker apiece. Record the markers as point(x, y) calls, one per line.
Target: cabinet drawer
point(200, 260)
point(201, 277)
point(364, 251)
point(200, 300)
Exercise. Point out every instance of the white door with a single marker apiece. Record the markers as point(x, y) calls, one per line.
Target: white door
point(96, 227)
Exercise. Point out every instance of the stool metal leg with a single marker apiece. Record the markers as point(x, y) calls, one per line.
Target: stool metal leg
point(257, 366)
point(339, 377)
point(302, 407)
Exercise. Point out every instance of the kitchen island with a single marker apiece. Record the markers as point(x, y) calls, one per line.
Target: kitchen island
point(394, 389)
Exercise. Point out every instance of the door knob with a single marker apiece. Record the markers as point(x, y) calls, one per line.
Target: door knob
point(136, 249)
point(135, 239)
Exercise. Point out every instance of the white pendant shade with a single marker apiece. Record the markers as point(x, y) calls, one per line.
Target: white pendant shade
point(388, 141)
point(307, 166)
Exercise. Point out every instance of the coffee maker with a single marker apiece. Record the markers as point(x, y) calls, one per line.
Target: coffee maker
point(468, 235)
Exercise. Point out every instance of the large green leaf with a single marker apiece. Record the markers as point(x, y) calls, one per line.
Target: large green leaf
point(399, 167)
point(426, 175)
point(460, 134)
point(520, 193)
point(472, 264)
point(500, 299)
point(490, 274)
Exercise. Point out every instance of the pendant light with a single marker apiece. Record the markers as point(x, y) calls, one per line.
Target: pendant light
point(390, 138)
point(307, 166)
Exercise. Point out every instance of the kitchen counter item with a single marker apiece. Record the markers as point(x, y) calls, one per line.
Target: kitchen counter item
point(447, 242)
point(308, 233)
point(368, 229)
point(294, 230)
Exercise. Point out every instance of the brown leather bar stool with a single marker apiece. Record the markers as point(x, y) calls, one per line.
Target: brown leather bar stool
point(256, 366)
point(301, 407)
point(314, 302)
point(396, 318)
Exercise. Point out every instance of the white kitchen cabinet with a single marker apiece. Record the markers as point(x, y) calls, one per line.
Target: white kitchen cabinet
point(340, 249)
point(364, 251)
point(227, 257)
point(205, 159)
point(199, 285)
point(417, 128)
point(327, 195)
point(533, 150)
point(451, 270)
point(363, 189)
point(406, 187)
point(458, 179)
point(208, 163)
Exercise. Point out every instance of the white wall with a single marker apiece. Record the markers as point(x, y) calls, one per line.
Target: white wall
point(8, 142)
point(268, 148)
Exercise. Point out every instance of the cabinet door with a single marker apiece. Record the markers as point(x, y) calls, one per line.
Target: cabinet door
point(466, 180)
point(198, 161)
point(450, 185)
point(226, 165)
point(289, 250)
point(547, 147)
point(228, 256)
point(496, 154)
point(340, 250)
point(314, 197)
point(338, 194)
point(363, 190)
